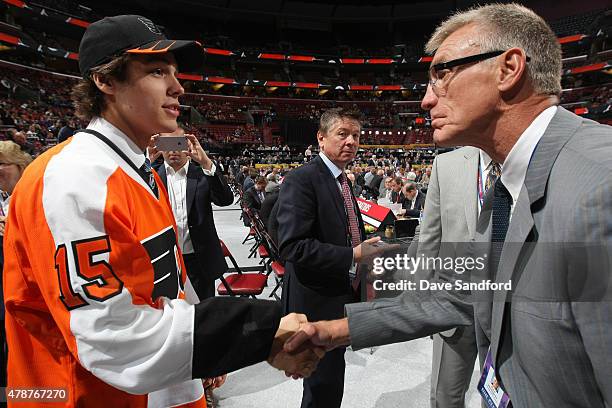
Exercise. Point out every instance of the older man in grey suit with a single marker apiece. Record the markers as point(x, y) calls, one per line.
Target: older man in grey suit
point(458, 181)
point(494, 84)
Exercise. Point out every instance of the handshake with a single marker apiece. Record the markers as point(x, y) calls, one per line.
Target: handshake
point(298, 345)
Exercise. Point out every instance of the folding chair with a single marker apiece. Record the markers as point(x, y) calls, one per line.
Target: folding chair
point(274, 263)
point(239, 283)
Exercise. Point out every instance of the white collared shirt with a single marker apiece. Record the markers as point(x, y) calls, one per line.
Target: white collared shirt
point(485, 168)
point(120, 139)
point(515, 166)
point(413, 201)
point(334, 170)
point(177, 193)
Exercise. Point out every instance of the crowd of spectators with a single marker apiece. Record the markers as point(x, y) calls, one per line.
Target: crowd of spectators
point(37, 104)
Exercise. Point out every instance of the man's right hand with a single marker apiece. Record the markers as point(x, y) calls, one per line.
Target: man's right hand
point(367, 250)
point(303, 359)
point(152, 149)
point(327, 334)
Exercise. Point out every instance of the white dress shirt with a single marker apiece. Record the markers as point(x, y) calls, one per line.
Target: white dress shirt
point(485, 168)
point(333, 169)
point(177, 193)
point(515, 166)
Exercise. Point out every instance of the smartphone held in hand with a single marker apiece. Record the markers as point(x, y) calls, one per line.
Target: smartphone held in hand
point(171, 143)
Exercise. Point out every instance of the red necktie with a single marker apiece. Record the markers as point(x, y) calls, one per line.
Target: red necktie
point(350, 210)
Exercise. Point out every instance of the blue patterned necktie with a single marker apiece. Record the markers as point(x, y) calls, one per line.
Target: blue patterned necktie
point(502, 202)
point(147, 174)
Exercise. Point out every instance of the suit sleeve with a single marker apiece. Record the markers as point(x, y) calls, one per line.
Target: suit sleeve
point(220, 192)
point(297, 225)
point(430, 229)
point(411, 315)
point(250, 201)
point(592, 307)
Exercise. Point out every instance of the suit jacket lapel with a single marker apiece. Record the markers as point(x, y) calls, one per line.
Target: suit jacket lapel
point(332, 186)
point(482, 242)
point(163, 175)
point(471, 206)
point(192, 184)
point(518, 231)
point(557, 134)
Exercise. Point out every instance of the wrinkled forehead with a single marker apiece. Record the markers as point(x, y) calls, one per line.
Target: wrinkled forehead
point(462, 42)
point(344, 123)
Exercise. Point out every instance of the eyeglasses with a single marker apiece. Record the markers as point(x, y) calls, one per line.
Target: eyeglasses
point(439, 74)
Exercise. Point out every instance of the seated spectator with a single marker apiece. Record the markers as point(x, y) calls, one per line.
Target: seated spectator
point(20, 139)
point(66, 131)
point(356, 187)
point(249, 179)
point(255, 195)
point(385, 189)
point(396, 190)
point(414, 200)
point(426, 176)
point(271, 196)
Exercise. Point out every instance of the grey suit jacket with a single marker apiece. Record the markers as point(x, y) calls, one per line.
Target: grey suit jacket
point(451, 209)
point(552, 344)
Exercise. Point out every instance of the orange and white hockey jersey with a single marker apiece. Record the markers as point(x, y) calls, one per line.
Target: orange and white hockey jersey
point(94, 281)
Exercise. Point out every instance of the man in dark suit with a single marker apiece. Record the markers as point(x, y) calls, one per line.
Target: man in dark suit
point(194, 182)
point(272, 193)
point(249, 179)
point(254, 196)
point(414, 200)
point(396, 190)
point(320, 235)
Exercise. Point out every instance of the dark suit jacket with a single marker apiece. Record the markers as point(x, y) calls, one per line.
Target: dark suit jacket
point(251, 199)
point(247, 183)
point(201, 192)
point(272, 224)
point(397, 198)
point(375, 182)
point(418, 206)
point(267, 205)
point(315, 243)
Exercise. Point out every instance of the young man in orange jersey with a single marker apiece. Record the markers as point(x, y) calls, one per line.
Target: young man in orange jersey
point(94, 281)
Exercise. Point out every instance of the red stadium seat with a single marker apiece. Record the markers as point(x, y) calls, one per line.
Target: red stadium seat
point(239, 283)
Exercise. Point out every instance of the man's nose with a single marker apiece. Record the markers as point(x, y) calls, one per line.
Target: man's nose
point(430, 99)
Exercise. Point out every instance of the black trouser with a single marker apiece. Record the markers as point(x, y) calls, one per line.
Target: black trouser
point(204, 287)
point(325, 387)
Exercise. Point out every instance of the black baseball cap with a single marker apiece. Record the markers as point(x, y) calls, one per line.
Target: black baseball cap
point(113, 36)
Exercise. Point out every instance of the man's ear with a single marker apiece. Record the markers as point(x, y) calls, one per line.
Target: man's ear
point(320, 137)
point(104, 83)
point(512, 69)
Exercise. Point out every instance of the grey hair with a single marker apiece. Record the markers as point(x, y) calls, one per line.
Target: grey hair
point(410, 186)
point(331, 115)
point(505, 26)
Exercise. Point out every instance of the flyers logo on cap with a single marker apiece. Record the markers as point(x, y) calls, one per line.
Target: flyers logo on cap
point(150, 25)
